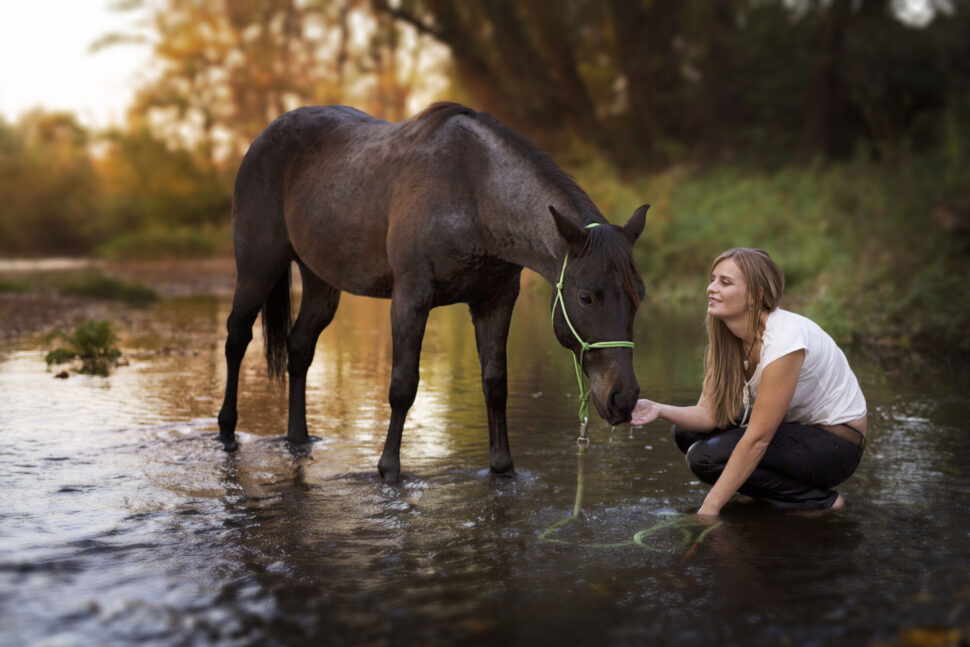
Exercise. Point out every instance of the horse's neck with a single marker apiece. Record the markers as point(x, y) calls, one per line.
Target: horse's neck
point(529, 238)
point(522, 227)
point(519, 194)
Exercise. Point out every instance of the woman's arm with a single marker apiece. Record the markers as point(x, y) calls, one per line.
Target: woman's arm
point(778, 382)
point(696, 418)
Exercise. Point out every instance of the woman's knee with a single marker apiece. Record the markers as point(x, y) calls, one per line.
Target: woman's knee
point(707, 456)
point(703, 463)
point(683, 438)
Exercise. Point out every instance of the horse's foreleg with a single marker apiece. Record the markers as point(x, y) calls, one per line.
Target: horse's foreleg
point(240, 332)
point(408, 320)
point(317, 308)
point(491, 319)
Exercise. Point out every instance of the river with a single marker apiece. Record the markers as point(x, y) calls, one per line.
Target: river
point(122, 521)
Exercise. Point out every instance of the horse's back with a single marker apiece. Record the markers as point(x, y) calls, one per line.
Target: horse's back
point(291, 193)
point(362, 201)
point(294, 135)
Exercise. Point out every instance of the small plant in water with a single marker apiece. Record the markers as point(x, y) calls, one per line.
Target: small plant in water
point(91, 342)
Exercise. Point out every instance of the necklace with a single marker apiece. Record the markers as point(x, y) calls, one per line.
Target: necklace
point(748, 356)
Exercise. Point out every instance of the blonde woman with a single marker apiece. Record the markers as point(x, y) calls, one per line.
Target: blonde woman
point(802, 424)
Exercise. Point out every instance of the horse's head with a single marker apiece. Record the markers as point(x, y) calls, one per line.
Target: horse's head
point(601, 290)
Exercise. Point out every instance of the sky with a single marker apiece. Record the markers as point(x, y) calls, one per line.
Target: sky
point(45, 60)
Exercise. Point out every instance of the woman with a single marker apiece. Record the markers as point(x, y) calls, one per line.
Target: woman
point(806, 430)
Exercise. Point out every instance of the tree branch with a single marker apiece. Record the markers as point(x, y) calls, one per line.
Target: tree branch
point(409, 19)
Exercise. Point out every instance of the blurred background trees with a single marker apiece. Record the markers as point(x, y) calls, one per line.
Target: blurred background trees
point(764, 105)
point(643, 84)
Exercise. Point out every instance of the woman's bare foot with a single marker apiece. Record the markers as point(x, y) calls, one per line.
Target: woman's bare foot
point(838, 504)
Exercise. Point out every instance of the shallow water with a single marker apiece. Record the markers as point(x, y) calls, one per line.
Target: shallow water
point(122, 521)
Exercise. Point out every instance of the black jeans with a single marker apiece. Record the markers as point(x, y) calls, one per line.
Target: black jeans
point(798, 471)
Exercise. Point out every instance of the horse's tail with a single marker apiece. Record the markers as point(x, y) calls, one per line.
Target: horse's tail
point(277, 321)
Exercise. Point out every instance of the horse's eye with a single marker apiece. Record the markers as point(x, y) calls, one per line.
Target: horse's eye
point(585, 298)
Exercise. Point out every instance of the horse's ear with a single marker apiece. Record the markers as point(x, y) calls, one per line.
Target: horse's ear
point(634, 227)
point(574, 234)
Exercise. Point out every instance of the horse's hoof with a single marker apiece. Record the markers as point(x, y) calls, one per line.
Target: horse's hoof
point(299, 449)
point(229, 445)
point(502, 467)
point(390, 476)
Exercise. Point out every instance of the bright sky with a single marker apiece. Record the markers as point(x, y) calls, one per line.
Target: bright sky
point(44, 60)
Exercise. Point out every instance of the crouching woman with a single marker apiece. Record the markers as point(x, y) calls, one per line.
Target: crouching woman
point(802, 424)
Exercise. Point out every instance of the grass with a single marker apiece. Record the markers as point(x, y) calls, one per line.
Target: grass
point(16, 287)
point(860, 248)
point(92, 342)
point(97, 286)
point(162, 243)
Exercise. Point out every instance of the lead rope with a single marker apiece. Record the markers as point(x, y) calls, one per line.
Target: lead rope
point(584, 346)
point(671, 520)
point(688, 525)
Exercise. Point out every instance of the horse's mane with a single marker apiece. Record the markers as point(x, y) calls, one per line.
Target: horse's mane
point(435, 115)
point(603, 242)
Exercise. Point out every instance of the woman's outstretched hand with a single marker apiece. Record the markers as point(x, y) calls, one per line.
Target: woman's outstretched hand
point(645, 412)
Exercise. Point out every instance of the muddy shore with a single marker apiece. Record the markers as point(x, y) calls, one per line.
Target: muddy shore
point(40, 309)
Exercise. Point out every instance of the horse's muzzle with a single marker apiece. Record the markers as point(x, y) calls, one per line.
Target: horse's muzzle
point(619, 405)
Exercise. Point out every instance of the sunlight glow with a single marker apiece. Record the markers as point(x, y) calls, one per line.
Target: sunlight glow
point(45, 46)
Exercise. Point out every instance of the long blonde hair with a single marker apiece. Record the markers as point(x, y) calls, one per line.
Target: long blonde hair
point(724, 364)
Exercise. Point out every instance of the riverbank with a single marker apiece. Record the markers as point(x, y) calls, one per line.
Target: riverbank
point(875, 251)
point(34, 299)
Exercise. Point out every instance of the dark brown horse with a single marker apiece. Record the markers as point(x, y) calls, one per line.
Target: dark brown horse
point(445, 207)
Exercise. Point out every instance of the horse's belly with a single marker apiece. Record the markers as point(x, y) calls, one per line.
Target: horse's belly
point(348, 251)
point(366, 277)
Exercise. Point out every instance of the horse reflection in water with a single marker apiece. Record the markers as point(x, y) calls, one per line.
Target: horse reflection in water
point(445, 207)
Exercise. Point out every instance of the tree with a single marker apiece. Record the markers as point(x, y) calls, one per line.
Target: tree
point(229, 67)
point(48, 187)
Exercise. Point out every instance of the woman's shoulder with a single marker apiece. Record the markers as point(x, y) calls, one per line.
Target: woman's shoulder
point(786, 321)
point(786, 332)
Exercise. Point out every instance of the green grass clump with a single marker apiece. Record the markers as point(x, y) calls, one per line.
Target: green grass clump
point(97, 286)
point(92, 342)
point(16, 287)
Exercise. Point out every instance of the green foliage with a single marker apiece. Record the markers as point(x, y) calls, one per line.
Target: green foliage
point(858, 242)
point(58, 197)
point(157, 243)
point(7, 285)
point(48, 186)
point(92, 342)
point(147, 185)
point(98, 286)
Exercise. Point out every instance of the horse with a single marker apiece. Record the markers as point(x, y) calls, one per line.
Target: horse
point(445, 207)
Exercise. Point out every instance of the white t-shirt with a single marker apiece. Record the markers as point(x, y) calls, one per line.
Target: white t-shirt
point(828, 392)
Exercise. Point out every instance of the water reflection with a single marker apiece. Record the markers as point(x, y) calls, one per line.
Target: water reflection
point(121, 520)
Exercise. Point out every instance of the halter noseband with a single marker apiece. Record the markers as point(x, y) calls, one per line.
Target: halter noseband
point(584, 393)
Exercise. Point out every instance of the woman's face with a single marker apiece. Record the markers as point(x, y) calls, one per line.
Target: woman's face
point(727, 296)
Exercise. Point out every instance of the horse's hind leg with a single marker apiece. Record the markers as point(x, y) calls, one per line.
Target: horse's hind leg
point(317, 308)
point(252, 290)
point(409, 316)
point(491, 318)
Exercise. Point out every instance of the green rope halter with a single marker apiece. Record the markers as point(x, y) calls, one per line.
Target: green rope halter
point(578, 362)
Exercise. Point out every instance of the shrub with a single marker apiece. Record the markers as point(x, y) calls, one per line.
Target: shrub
point(92, 342)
